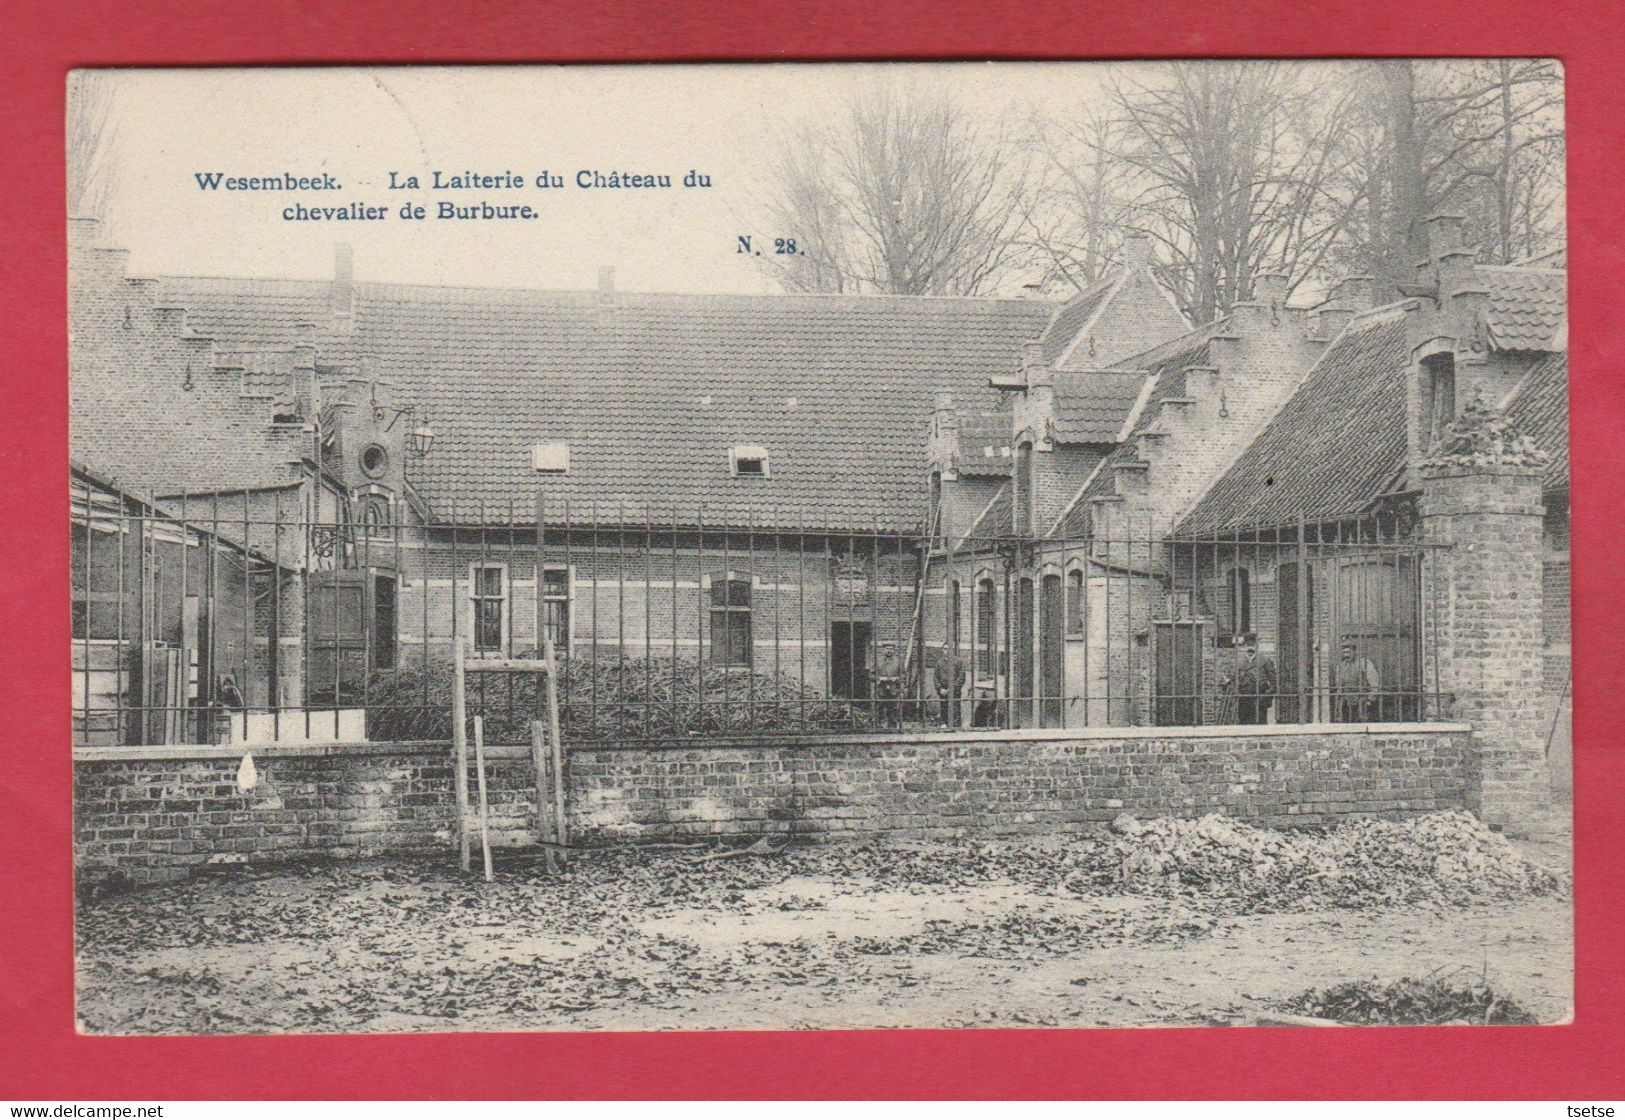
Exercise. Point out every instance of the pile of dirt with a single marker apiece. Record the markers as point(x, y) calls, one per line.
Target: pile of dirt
point(1456, 999)
point(607, 698)
point(1449, 858)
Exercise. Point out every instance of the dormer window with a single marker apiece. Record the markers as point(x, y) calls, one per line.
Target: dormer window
point(552, 457)
point(748, 461)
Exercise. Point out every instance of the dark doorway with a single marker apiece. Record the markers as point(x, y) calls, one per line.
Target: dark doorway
point(1022, 701)
point(1295, 629)
point(1051, 651)
point(1179, 682)
point(849, 659)
point(383, 622)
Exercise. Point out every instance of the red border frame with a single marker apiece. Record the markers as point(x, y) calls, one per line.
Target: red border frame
point(42, 1057)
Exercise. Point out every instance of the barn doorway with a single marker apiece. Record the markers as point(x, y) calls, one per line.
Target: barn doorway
point(849, 659)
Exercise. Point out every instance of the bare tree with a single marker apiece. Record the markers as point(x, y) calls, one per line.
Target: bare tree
point(903, 193)
point(1239, 169)
point(1077, 207)
point(91, 140)
point(1482, 137)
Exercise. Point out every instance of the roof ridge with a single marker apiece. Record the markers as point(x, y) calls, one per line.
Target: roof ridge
point(520, 292)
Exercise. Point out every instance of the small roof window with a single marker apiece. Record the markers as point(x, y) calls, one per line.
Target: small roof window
point(552, 457)
point(748, 461)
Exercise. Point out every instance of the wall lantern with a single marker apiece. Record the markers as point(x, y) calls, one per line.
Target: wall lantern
point(421, 439)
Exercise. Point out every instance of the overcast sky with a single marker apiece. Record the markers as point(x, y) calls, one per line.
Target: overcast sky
point(360, 124)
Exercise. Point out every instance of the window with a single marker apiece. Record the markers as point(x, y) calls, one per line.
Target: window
point(1438, 397)
point(489, 594)
point(1021, 514)
point(1238, 602)
point(985, 653)
point(730, 621)
point(374, 460)
point(376, 512)
point(1074, 603)
point(746, 461)
point(556, 607)
point(955, 606)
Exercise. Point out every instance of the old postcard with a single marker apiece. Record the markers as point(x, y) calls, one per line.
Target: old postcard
point(826, 546)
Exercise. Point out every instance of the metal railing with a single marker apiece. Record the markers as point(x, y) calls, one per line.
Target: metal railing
point(252, 617)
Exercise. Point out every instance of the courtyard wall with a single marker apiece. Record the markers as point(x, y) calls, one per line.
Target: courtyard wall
point(155, 813)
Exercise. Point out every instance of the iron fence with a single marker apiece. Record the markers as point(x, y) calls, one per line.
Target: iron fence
point(293, 616)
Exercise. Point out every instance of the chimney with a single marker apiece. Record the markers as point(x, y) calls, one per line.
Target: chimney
point(942, 444)
point(1270, 287)
point(1450, 263)
point(1137, 251)
point(1032, 360)
point(343, 296)
point(1355, 294)
point(606, 281)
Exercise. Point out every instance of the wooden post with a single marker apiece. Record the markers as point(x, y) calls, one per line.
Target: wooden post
point(561, 824)
point(485, 809)
point(459, 740)
point(546, 831)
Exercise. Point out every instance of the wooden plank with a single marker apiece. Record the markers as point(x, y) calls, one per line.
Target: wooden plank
point(485, 806)
point(544, 799)
point(561, 823)
point(459, 740)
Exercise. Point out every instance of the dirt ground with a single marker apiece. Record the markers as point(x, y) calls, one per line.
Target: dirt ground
point(923, 935)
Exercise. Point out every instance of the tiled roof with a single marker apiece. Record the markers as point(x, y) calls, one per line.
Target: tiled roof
point(1164, 365)
point(152, 436)
point(1336, 444)
point(1091, 406)
point(1073, 317)
point(1540, 408)
point(651, 391)
point(995, 519)
point(984, 444)
point(1527, 306)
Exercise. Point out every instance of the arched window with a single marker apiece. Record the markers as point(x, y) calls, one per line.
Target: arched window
point(986, 653)
point(1074, 603)
point(1238, 601)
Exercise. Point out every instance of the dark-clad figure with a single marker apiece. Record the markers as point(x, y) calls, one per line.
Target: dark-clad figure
point(1253, 682)
point(950, 681)
point(1358, 686)
point(889, 685)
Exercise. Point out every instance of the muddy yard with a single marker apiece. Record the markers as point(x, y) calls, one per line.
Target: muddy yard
point(1005, 933)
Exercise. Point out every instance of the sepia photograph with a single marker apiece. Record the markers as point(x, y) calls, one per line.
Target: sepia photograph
point(820, 546)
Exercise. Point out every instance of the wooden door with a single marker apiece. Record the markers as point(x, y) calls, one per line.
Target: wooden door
point(1178, 675)
point(1377, 599)
point(339, 611)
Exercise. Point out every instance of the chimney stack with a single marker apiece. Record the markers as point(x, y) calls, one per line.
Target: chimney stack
point(343, 299)
point(1137, 251)
point(1270, 287)
point(606, 281)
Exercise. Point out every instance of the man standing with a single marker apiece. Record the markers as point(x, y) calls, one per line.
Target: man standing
point(1253, 683)
point(1358, 685)
point(889, 685)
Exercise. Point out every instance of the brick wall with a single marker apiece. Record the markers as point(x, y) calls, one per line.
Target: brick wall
point(161, 812)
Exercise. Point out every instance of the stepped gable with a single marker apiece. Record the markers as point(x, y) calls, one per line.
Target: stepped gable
point(1336, 444)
